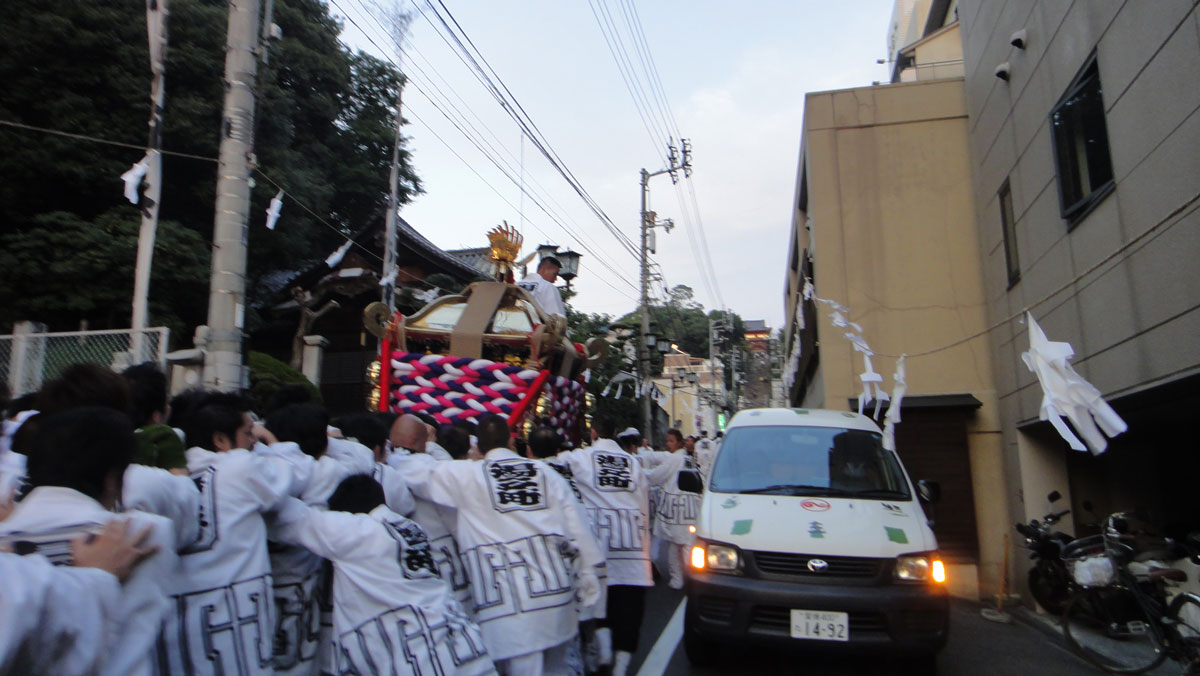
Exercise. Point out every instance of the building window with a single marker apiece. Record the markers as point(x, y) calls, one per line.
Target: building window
point(1010, 235)
point(1085, 175)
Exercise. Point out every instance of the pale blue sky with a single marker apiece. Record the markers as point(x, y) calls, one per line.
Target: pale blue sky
point(735, 75)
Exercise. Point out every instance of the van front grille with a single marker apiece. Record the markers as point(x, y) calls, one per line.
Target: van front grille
point(778, 563)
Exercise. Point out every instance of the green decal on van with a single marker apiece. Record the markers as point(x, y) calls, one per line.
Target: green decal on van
point(896, 535)
point(816, 530)
point(741, 526)
point(730, 503)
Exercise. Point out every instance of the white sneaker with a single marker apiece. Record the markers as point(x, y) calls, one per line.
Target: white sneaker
point(621, 663)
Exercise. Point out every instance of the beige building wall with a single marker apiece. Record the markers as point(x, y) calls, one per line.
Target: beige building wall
point(686, 400)
point(890, 203)
point(937, 56)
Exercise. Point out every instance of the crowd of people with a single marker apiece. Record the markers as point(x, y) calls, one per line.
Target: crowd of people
point(193, 537)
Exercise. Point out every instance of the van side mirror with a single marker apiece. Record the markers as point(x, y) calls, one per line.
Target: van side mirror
point(690, 481)
point(929, 491)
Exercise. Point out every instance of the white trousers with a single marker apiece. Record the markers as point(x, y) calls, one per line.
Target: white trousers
point(563, 659)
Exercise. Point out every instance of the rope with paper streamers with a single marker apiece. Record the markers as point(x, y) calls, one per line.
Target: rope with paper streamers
point(872, 382)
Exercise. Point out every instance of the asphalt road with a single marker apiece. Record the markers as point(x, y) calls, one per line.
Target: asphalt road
point(977, 647)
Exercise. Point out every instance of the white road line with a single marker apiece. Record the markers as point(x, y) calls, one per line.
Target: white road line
point(660, 655)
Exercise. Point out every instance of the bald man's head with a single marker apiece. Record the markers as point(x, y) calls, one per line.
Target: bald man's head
point(410, 433)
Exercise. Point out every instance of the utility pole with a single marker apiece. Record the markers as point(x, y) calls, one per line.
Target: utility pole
point(398, 29)
point(648, 218)
point(223, 368)
point(156, 29)
point(389, 242)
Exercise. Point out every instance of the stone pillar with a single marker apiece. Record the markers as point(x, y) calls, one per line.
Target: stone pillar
point(314, 352)
point(186, 370)
point(27, 359)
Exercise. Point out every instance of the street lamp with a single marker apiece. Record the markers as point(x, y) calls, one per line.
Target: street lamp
point(570, 265)
point(663, 347)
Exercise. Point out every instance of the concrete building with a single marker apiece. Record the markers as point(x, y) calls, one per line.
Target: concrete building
point(756, 390)
point(882, 225)
point(1085, 160)
point(691, 388)
point(1058, 175)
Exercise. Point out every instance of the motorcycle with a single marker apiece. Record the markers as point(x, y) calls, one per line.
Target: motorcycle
point(1050, 580)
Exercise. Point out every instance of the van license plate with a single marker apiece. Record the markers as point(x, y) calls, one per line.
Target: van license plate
point(820, 625)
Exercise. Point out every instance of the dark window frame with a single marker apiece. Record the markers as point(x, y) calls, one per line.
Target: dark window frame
point(1079, 117)
point(1008, 229)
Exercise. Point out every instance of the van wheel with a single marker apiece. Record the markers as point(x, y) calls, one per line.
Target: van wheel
point(699, 651)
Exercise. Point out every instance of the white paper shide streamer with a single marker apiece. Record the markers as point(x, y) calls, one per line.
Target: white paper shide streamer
point(872, 382)
point(133, 179)
point(893, 413)
point(1066, 394)
point(337, 256)
point(273, 210)
point(617, 380)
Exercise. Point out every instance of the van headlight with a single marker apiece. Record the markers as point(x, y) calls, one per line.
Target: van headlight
point(710, 556)
point(920, 568)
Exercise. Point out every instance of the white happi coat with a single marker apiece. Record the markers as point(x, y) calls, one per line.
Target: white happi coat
point(50, 517)
point(12, 473)
point(436, 520)
point(55, 620)
point(706, 450)
point(392, 614)
point(599, 610)
point(300, 636)
point(157, 491)
point(674, 510)
point(544, 293)
point(614, 490)
point(225, 609)
point(520, 530)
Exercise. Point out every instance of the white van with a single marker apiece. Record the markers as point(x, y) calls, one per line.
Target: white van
point(810, 535)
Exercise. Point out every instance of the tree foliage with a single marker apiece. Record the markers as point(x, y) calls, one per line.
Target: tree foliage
point(681, 321)
point(325, 128)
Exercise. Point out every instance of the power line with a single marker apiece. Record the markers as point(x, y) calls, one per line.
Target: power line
point(629, 87)
point(478, 143)
point(447, 104)
point(513, 107)
point(693, 222)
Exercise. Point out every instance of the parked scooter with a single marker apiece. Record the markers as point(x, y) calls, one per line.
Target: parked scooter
point(1050, 580)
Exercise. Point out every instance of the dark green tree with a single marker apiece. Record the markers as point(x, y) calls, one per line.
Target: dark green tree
point(325, 128)
point(79, 263)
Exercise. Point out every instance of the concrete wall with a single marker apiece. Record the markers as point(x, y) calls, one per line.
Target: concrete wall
point(938, 56)
point(891, 205)
point(1121, 286)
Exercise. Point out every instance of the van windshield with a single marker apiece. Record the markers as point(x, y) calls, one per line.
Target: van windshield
point(815, 461)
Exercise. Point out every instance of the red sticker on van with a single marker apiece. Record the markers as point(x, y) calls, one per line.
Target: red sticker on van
point(815, 505)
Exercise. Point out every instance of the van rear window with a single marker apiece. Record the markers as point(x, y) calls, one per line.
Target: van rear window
point(813, 461)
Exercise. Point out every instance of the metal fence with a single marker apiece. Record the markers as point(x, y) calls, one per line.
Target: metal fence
point(29, 359)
